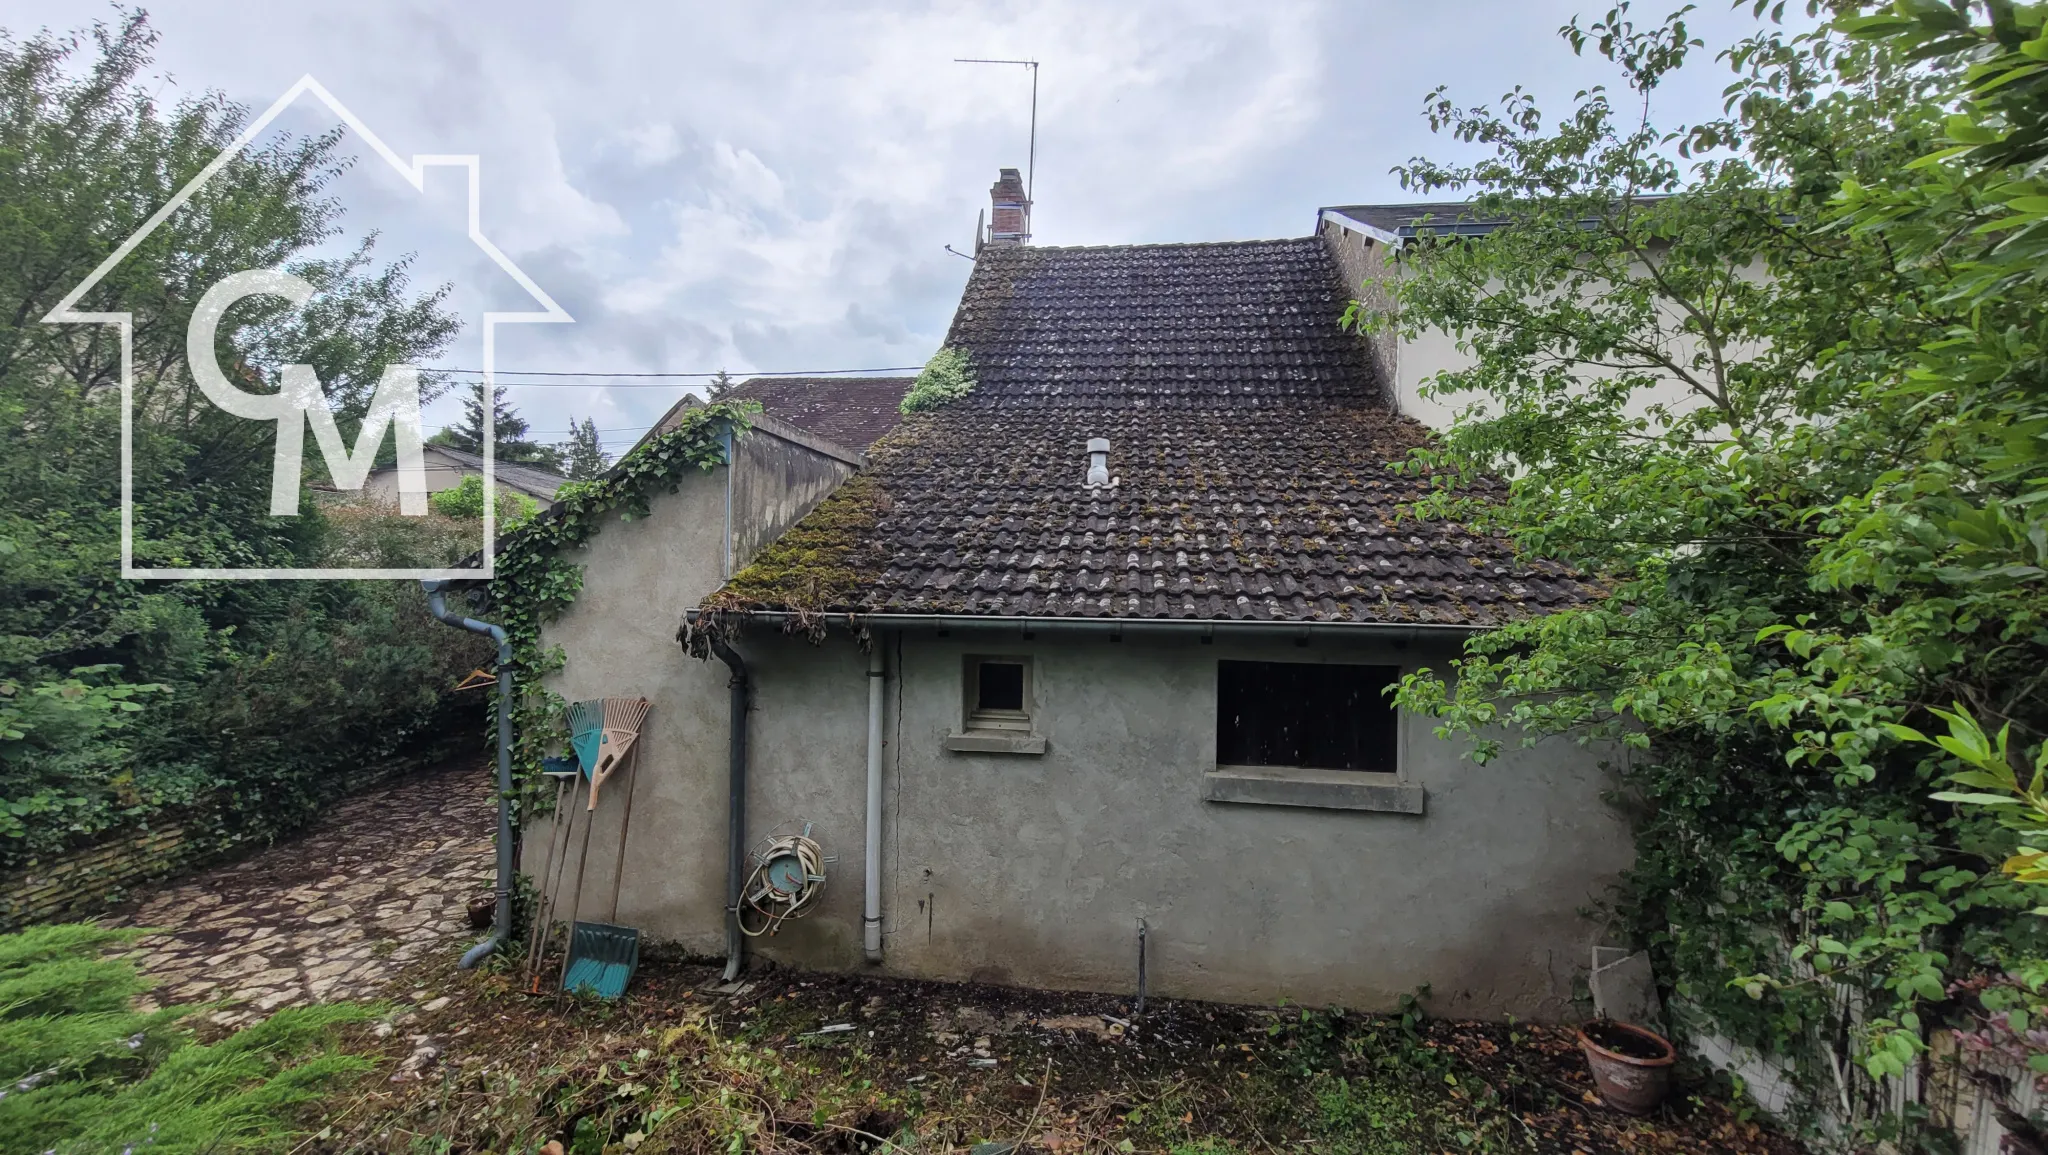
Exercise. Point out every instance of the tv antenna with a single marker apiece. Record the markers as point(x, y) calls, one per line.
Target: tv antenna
point(1031, 155)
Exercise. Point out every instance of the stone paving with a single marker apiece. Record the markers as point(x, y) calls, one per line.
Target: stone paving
point(330, 915)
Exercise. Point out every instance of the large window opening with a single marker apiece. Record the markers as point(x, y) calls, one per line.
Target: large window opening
point(1307, 715)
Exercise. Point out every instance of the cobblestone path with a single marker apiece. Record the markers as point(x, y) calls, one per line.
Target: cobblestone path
point(378, 882)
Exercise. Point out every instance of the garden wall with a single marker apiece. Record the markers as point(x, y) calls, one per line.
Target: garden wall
point(95, 878)
point(92, 879)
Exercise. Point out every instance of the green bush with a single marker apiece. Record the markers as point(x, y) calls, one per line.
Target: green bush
point(1775, 379)
point(465, 502)
point(233, 708)
point(946, 378)
point(87, 1073)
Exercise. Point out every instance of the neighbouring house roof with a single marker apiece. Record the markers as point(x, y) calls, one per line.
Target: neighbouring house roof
point(1406, 221)
point(852, 411)
point(527, 479)
point(1250, 446)
point(1401, 220)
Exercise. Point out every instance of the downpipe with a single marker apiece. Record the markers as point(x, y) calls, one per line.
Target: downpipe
point(736, 807)
point(871, 921)
point(501, 920)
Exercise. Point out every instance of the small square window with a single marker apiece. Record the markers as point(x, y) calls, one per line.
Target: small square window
point(998, 693)
point(1000, 687)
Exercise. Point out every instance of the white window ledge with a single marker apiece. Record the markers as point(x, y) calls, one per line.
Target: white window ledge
point(996, 742)
point(1319, 789)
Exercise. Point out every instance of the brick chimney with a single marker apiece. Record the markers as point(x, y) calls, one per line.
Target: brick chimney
point(1009, 221)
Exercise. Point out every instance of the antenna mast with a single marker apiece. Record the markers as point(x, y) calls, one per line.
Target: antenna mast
point(1031, 155)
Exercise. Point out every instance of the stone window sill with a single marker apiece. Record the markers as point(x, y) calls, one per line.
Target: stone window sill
point(995, 742)
point(1317, 789)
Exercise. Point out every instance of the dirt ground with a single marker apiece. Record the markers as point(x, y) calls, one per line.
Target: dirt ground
point(368, 905)
point(797, 1062)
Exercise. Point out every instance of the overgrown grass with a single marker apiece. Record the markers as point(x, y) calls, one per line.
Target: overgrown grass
point(676, 1072)
point(85, 1073)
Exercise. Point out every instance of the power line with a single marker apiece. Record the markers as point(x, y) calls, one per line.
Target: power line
point(658, 379)
point(607, 429)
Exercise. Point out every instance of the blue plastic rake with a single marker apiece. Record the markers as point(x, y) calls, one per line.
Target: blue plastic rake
point(586, 732)
point(602, 956)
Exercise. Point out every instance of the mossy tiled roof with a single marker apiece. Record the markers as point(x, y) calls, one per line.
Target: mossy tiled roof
point(1250, 447)
point(849, 411)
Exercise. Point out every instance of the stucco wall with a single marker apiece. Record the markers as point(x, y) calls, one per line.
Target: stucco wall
point(1034, 870)
point(1362, 260)
point(782, 472)
point(639, 577)
point(1405, 365)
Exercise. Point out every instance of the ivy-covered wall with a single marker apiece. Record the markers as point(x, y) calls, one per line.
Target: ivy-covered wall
point(538, 576)
point(617, 584)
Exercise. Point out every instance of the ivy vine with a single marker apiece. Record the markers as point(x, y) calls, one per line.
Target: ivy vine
point(946, 378)
point(536, 581)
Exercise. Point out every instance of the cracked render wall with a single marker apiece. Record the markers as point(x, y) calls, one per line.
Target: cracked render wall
point(1034, 869)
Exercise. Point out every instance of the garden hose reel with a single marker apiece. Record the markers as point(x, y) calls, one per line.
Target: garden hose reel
point(786, 882)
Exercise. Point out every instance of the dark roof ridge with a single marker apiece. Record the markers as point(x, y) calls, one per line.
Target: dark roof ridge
point(1254, 466)
point(522, 475)
point(1241, 243)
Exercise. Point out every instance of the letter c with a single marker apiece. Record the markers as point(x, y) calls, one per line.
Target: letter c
point(200, 336)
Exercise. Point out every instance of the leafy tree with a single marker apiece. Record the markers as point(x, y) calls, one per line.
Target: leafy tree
point(1775, 378)
point(721, 385)
point(508, 431)
point(254, 698)
point(583, 454)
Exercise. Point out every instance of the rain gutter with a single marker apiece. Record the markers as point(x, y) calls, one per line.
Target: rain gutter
point(501, 921)
point(1183, 627)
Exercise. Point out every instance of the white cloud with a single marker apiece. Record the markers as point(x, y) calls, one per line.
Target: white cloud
point(652, 144)
point(771, 186)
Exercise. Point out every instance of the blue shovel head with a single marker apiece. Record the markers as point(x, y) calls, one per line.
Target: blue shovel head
point(602, 959)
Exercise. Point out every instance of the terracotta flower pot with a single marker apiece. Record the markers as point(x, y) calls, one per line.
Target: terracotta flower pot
point(1630, 1065)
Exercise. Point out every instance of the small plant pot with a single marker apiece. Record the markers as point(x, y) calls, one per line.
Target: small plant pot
point(483, 910)
point(1630, 1065)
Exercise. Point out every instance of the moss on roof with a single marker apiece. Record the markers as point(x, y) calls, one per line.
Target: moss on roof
point(818, 565)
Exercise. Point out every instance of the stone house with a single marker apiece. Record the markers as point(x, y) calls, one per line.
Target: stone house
point(1079, 681)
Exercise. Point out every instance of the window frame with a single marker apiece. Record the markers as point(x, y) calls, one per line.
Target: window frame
point(973, 717)
point(1399, 751)
point(1387, 791)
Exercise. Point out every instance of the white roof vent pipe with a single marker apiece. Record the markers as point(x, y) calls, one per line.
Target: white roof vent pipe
point(1098, 464)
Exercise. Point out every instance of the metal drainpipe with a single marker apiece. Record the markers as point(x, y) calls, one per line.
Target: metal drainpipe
point(871, 923)
point(736, 807)
point(501, 922)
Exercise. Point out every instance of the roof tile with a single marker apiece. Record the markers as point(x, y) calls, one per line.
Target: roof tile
point(851, 411)
point(1252, 453)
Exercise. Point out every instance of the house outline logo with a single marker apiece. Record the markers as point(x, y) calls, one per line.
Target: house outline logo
point(414, 174)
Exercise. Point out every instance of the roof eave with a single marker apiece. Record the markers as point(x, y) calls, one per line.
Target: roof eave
point(1343, 221)
point(1399, 631)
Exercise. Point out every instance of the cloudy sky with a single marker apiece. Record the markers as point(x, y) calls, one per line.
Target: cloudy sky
point(772, 186)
